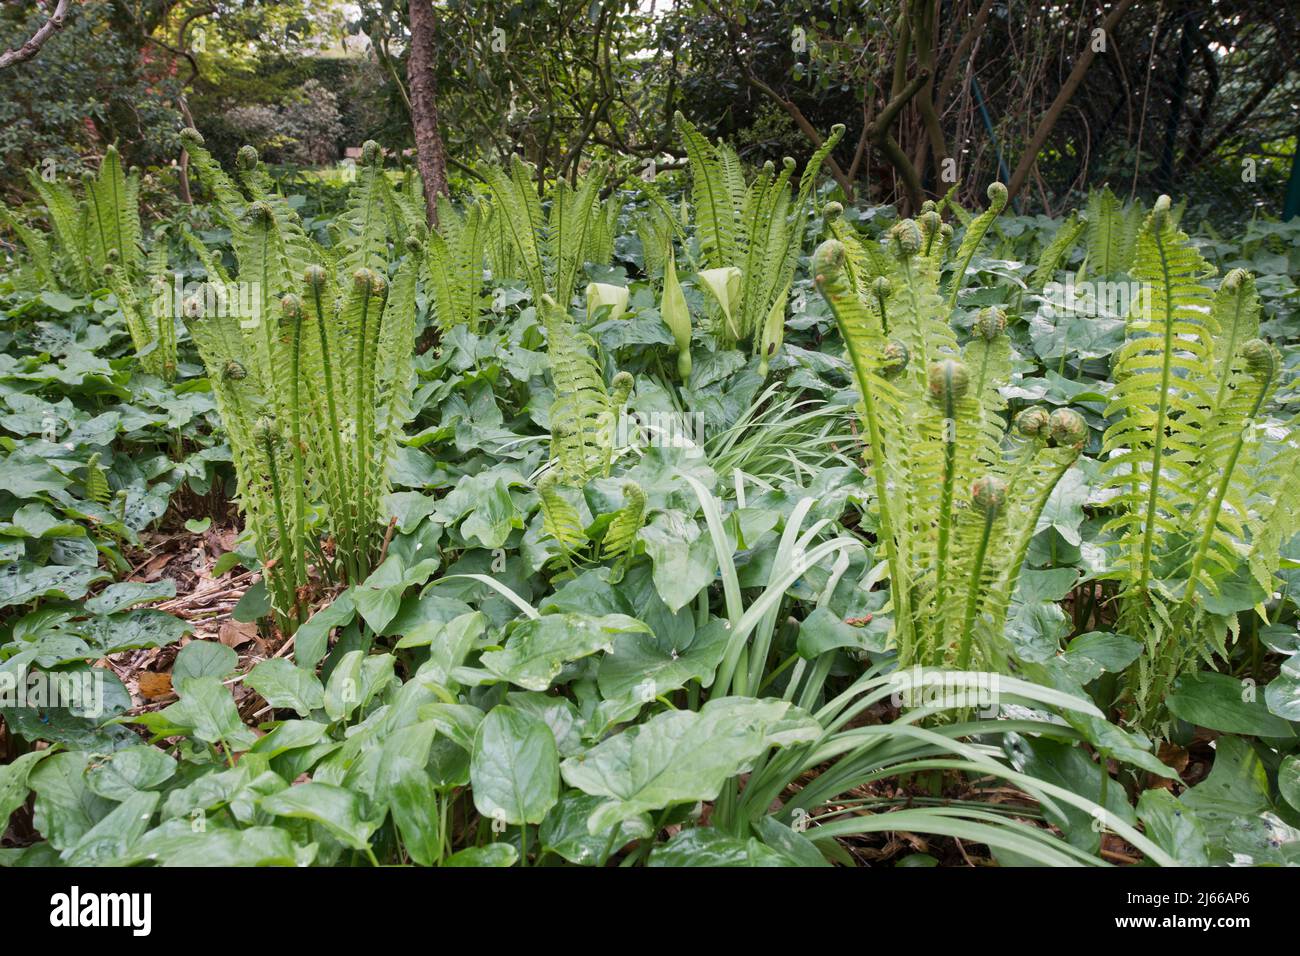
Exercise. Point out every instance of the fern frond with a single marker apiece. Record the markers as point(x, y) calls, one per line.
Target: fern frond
point(560, 518)
point(1276, 519)
point(133, 313)
point(213, 268)
point(569, 229)
point(976, 230)
point(626, 523)
point(979, 526)
point(406, 209)
point(1236, 316)
point(299, 249)
point(455, 255)
point(262, 262)
point(365, 246)
point(229, 200)
point(866, 260)
point(1160, 397)
point(581, 414)
point(96, 482)
point(603, 231)
point(914, 309)
point(711, 195)
point(396, 348)
point(1031, 474)
point(1217, 515)
point(883, 409)
point(68, 229)
point(323, 369)
point(1055, 252)
point(518, 219)
point(988, 357)
point(113, 218)
point(1112, 233)
point(38, 250)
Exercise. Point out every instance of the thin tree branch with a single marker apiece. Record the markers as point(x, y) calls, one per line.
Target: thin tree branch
point(37, 39)
point(1030, 155)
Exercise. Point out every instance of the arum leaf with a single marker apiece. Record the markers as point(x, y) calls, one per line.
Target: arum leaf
point(311, 640)
point(107, 842)
point(204, 658)
point(514, 769)
point(709, 847)
point(207, 712)
point(13, 781)
point(564, 831)
point(1173, 827)
point(283, 685)
point(23, 582)
point(355, 681)
point(1224, 703)
point(129, 771)
point(66, 809)
point(334, 808)
point(681, 756)
point(538, 648)
point(177, 844)
point(643, 666)
point(405, 782)
point(118, 597)
point(1090, 655)
point(1288, 781)
point(494, 854)
point(823, 631)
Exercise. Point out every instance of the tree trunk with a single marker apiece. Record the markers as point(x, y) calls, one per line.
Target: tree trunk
point(430, 155)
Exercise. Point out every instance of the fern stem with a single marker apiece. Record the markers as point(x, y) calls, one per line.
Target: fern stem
point(360, 392)
point(338, 478)
point(836, 291)
point(945, 494)
point(1162, 416)
point(973, 588)
point(1220, 494)
point(299, 478)
point(285, 545)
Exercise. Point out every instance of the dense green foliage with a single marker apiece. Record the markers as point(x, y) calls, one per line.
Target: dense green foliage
point(684, 544)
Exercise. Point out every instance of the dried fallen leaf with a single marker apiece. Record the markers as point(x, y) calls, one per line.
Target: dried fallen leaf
point(236, 634)
point(154, 569)
point(153, 686)
point(1171, 755)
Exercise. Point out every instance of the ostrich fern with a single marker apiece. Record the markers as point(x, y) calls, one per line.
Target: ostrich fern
point(584, 415)
point(1195, 498)
point(955, 504)
point(454, 267)
point(757, 230)
point(313, 387)
point(95, 243)
point(1112, 231)
point(550, 236)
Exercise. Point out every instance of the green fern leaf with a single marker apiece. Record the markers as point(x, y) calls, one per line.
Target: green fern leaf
point(627, 521)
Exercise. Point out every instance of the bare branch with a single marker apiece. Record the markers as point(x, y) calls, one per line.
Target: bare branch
point(1049, 118)
point(37, 40)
